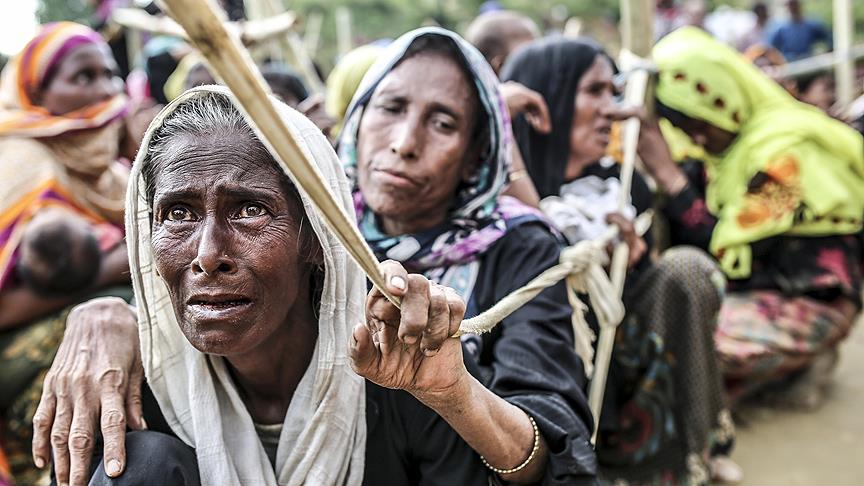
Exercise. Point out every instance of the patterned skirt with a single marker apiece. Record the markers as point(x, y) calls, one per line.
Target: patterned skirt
point(665, 411)
point(763, 336)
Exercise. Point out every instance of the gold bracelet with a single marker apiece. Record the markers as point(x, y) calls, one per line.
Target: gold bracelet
point(527, 461)
point(517, 174)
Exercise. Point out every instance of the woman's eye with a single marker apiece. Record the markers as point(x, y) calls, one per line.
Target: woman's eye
point(252, 211)
point(179, 213)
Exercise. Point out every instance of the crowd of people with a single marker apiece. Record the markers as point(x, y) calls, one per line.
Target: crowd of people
point(173, 310)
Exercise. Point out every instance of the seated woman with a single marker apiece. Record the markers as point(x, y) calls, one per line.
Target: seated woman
point(61, 127)
point(781, 209)
point(428, 150)
point(664, 401)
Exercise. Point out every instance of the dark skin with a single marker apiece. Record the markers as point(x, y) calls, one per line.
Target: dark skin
point(414, 144)
point(87, 75)
point(208, 232)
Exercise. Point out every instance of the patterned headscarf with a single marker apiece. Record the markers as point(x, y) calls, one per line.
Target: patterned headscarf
point(790, 170)
point(25, 76)
point(478, 218)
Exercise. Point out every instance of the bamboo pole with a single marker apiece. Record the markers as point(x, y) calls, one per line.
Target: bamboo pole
point(343, 30)
point(844, 71)
point(232, 64)
point(637, 38)
point(312, 32)
point(251, 32)
point(817, 63)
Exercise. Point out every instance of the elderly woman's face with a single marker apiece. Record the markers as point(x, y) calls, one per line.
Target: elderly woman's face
point(86, 76)
point(415, 140)
point(225, 240)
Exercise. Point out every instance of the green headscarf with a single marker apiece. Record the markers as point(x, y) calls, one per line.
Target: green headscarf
point(790, 170)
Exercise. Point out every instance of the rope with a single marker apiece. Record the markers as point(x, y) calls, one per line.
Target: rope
point(581, 267)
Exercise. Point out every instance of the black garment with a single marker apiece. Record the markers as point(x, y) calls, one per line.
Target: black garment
point(528, 359)
point(552, 67)
point(822, 268)
point(407, 444)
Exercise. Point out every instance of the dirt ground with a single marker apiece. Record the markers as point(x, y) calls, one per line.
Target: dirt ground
point(825, 447)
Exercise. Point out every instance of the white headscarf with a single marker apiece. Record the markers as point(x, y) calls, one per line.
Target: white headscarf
point(323, 438)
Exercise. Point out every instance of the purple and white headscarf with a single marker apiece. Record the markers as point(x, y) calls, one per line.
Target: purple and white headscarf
point(480, 216)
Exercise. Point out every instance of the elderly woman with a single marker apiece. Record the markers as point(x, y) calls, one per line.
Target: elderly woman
point(664, 399)
point(246, 306)
point(61, 207)
point(781, 209)
point(428, 152)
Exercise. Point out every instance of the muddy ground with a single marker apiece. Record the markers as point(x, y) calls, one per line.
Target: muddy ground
point(826, 447)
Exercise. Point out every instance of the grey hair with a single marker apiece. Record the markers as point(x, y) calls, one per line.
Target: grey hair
point(207, 116)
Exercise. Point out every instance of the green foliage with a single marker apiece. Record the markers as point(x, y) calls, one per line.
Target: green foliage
point(55, 10)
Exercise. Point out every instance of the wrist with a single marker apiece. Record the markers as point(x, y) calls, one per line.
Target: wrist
point(450, 400)
point(672, 180)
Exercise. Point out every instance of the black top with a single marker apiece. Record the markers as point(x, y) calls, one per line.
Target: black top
point(407, 443)
point(529, 359)
point(823, 268)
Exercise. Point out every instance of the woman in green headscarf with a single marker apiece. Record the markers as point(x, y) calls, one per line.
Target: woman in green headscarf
point(780, 206)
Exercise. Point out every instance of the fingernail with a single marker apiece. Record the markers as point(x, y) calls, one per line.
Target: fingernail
point(398, 282)
point(409, 339)
point(113, 467)
point(430, 352)
point(40, 463)
point(144, 423)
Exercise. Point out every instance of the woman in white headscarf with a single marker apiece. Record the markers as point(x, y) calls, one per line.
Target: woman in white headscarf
point(245, 306)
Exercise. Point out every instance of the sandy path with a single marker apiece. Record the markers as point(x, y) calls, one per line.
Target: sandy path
point(821, 448)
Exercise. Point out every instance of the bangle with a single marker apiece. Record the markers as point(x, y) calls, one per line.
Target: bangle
point(527, 461)
point(518, 174)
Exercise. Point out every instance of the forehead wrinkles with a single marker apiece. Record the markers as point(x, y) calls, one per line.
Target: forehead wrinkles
point(415, 79)
point(214, 163)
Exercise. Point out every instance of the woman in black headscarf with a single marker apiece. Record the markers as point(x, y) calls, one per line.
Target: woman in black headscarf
point(664, 414)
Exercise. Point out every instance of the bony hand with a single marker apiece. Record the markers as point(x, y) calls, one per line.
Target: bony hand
point(627, 233)
point(522, 100)
point(411, 349)
point(95, 381)
point(652, 148)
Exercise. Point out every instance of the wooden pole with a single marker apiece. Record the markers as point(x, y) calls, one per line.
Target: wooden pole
point(343, 30)
point(844, 71)
point(233, 65)
point(637, 38)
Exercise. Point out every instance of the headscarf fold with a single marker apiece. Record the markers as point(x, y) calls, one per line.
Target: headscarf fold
point(323, 437)
point(478, 219)
point(552, 67)
point(25, 77)
point(790, 170)
point(68, 161)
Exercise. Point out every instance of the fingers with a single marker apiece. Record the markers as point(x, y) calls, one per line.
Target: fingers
point(438, 326)
point(134, 413)
point(634, 242)
point(363, 352)
point(537, 113)
point(378, 306)
point(82, 437)
point(113, 424)
point(415, 309)
point(43, 420)
point(60, 439)
point(623, 112)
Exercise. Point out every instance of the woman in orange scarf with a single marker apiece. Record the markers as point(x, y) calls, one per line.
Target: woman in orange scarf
point(62, 114)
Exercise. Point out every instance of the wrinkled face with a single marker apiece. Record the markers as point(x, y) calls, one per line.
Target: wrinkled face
point(225, 240)
point(589, 132)
point(415, 140)
point(86, 76)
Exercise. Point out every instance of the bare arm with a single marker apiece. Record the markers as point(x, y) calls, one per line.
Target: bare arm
point(411, 350)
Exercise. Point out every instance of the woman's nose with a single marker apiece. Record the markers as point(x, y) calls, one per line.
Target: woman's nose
point(214, 255)
point(405, 141)
point(106, 87)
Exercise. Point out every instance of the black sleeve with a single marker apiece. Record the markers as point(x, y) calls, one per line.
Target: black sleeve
point(529, 358)
point(690, 223)
point(408, 443)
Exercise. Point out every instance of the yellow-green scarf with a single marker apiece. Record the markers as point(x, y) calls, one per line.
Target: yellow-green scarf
point(790, 170)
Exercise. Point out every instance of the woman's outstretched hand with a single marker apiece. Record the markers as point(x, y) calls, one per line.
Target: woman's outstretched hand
point(411, 349)
point(94, 383)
